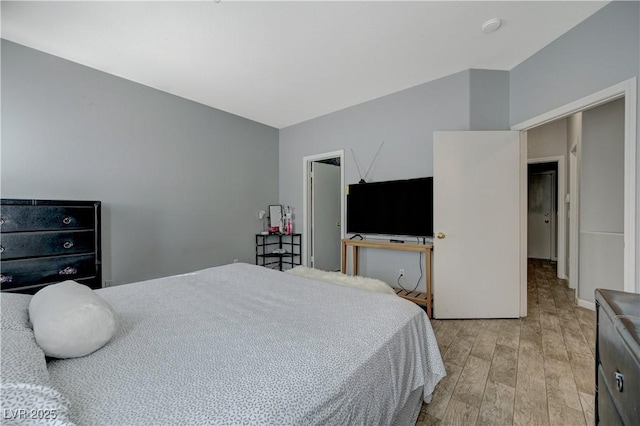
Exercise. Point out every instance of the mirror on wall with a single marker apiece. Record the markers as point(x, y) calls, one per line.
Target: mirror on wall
point(275, 217)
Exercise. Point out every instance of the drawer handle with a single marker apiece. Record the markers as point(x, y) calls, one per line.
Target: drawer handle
point(1, 249)
point(619, 380)
point(67, 244)
point(67, 220)
point(2, 220)
point(68, 271)
point(5, 279)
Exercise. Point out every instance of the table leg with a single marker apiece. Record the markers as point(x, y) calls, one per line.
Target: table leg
point(355, 260)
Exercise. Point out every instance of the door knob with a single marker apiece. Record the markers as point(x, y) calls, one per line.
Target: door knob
point(440, 236)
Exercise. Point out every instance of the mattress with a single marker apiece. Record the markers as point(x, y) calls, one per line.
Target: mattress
point(241, 344)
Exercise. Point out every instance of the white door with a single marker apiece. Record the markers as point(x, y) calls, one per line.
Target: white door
point(325, 216)
point(477, 214)
point(539, 217)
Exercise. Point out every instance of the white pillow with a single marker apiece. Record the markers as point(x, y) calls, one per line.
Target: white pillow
point(70, 320)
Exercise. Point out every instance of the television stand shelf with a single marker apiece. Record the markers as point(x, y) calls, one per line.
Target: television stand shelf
point(425, 299)
point(416, 297)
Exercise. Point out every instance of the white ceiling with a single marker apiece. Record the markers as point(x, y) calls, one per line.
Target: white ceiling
point(281, 63)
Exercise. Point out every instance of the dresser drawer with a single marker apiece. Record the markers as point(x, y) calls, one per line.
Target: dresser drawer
point(618, 353)
point(34, 289)
point(18, 218)
point(26, 272)
point(607, 412)
point(31, 244)
point(621, 382)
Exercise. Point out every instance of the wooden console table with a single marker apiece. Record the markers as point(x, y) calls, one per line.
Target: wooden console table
point(425, 299)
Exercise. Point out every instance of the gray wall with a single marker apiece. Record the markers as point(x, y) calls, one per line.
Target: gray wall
point(602, 169)
point(181, 183)
point(405, 121)
point(489, 100)
point(601, 51)
point(602, 200)
point(596, 54)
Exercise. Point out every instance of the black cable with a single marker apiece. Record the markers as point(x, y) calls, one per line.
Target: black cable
point(398, 282)
point(419, 279)
point(356, 235)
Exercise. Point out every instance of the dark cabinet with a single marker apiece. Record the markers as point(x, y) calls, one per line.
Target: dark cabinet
point(279, 251)
point(47, 241)
point(617, 358)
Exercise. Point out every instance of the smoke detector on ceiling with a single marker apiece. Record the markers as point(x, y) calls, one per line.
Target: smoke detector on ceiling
point(491, 25)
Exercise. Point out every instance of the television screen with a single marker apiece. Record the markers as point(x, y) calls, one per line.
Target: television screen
point(399, 207)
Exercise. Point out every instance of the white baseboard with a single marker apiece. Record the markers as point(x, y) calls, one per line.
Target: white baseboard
point(586, 305)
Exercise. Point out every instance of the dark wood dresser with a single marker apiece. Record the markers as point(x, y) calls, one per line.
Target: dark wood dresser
point(46, 241)
point(617, 358)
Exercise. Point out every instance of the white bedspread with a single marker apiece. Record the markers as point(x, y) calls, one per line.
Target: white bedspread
point(241, 344)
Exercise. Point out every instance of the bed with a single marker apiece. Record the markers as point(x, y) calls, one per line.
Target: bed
point(241, 344)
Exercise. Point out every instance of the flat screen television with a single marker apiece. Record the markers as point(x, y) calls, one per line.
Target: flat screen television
point(399, 207)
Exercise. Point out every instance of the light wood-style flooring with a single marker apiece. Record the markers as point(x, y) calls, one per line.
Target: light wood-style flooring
point(537, 370)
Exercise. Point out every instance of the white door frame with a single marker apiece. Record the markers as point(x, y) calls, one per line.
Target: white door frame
point(627, 89)
point(561, 218)
point(306, 199)
point(574, 203)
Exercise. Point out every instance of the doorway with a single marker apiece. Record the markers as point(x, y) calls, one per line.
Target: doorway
point(558, 220)
point(542, 217)
point(323, 210)
point(625, 92)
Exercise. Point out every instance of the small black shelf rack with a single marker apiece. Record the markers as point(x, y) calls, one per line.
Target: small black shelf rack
point(265, 244)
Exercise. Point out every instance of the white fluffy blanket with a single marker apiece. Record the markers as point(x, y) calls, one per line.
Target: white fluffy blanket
point(364, 283)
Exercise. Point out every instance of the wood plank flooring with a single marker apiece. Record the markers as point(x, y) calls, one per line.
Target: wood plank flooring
point(537, 370)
